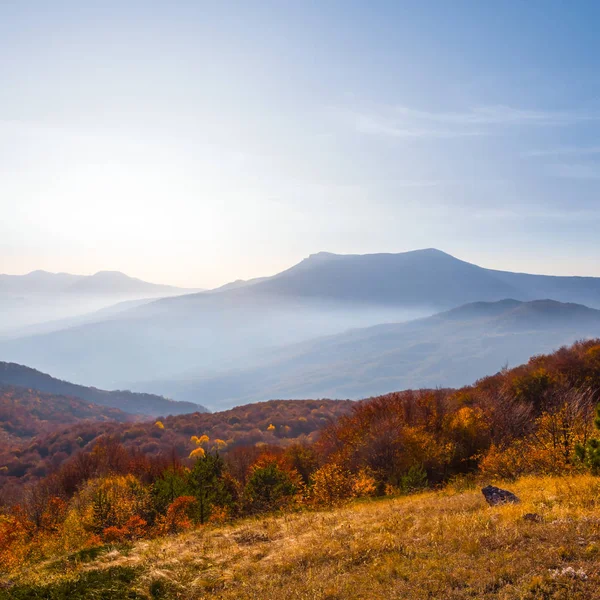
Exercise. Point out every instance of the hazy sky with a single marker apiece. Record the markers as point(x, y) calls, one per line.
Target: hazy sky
point(197, 142)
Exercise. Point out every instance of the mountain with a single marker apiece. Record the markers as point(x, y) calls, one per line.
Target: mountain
point(232, 327)
point(35, 299)
point(427, 277)
point(449, 349)
point(103, 282)
point(26, 413)
point(130, 402)
point(423, 277)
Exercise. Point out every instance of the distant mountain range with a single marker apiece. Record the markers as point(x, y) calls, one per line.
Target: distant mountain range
point(449, 349)
point(37, 302)
point(103, 282)
point(126, 401)
point(233, 328)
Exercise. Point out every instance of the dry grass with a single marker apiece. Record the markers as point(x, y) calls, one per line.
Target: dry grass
point(447, 544)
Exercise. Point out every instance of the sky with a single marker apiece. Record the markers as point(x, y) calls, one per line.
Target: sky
point(194, 143)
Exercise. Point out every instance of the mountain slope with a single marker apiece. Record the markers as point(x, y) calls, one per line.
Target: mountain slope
point(25, 413)
point(412, 278)
point(435, 544)
point(100, 314)
point(40, 297)
point(134, 403)
point(325, 294)
point(293, 421)
point(448, 349)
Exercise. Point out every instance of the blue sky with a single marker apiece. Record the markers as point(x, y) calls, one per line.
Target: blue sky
point(194, 143)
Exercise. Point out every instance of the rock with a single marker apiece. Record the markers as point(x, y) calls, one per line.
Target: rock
point(534, 517)
point(495, 496)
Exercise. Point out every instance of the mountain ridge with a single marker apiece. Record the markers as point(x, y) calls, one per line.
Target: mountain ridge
point(448, 349)
point(129, 402)
point(325, 294)
point(40, 281)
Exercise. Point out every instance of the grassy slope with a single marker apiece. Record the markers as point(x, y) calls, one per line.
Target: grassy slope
point(445, 544)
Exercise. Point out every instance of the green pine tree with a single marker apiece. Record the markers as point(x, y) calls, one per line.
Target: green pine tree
point(208, 486)
point(589, 453)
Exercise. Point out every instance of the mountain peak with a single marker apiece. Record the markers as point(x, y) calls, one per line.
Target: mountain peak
point(322, 255)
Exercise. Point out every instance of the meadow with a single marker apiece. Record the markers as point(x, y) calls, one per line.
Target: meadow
point(436, 544)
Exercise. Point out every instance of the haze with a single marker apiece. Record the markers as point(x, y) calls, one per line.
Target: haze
point(194, 143)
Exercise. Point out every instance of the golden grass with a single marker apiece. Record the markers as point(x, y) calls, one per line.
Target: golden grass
point(446, 544)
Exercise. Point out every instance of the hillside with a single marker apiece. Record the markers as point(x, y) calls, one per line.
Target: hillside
point(26, 413)
point(130, 402)
point(168, 510)
point(325, 294)
point(511, 396)
point(448, 349)
point(448, 544)
point(292, 421)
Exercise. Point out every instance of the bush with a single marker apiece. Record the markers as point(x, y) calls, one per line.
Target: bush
point(113, 503)
point(413, 480)
point(179, 515)
point(270, 486)
point(332, 485)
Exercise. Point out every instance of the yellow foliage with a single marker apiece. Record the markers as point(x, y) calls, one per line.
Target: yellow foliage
point(220, 443)
point(194, 439)
point(197, 453)
point(159, 424)
point(363, 484)
point(108, 502)
point(468, 421)
point(332, 484)
point(203, 439)
point(422, 447)
point(549, 450)
point(271, 427)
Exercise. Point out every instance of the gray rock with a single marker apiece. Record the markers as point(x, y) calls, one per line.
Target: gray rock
point(494, 496)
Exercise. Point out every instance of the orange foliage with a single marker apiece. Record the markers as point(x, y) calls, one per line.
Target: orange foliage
point(178, 516)
point(122, 482)
point(133, 529)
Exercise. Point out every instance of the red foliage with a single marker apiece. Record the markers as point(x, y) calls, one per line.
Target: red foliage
point(149, 446)
point(134, 529)
point(178, 516)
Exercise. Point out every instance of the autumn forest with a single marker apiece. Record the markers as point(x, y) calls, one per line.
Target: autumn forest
point(72, 487)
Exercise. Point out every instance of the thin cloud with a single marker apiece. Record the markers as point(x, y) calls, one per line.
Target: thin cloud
point(564, 151)
point(405, 122)
point(378, 125)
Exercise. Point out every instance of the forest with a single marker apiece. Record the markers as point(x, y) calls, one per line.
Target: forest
point(127, 481)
